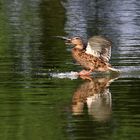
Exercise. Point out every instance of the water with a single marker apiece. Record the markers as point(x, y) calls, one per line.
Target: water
point(40, 95)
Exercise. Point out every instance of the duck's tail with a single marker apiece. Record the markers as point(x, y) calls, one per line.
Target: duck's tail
point(113, 70)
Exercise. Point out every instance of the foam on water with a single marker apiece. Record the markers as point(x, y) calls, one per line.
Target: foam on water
point(71, 75)
point(125, 71)
point(74, 75)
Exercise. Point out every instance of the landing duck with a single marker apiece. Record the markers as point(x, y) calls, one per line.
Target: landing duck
point(93, 56)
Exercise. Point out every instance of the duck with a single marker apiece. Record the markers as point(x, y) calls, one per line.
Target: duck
point(93, 55)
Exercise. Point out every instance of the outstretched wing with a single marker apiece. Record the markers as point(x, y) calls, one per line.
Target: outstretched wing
point(100, 47)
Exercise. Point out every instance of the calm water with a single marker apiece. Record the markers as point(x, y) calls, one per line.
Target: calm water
point(40, 98)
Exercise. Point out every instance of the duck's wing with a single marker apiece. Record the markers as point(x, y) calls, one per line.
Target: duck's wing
point(100, 47)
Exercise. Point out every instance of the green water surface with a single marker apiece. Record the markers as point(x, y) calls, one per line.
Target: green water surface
point(39, 98)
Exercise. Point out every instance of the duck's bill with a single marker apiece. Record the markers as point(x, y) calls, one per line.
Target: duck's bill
point(66, 39)
point(61, 37)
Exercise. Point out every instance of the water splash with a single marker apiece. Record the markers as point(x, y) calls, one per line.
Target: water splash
point(71, 75)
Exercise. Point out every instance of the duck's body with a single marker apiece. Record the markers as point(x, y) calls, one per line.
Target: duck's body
point(89, 61)
point(94, 56)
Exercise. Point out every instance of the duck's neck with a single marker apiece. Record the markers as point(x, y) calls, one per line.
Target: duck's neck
point(80, 47)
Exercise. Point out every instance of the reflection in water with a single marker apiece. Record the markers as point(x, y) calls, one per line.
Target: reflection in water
point(25, 35)
point(76, 18)
point(96, 95)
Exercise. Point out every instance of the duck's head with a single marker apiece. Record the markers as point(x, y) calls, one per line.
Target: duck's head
point(77, 42)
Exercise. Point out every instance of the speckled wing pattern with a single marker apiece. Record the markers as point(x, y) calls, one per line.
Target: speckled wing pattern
point(100, 47)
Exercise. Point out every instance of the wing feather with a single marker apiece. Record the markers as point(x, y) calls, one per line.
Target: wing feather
point(99, 47)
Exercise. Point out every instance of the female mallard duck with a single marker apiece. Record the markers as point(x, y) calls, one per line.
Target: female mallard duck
point(94, 56)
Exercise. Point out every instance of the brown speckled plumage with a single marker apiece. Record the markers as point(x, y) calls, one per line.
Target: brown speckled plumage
point(94, 56)
point(88, 61)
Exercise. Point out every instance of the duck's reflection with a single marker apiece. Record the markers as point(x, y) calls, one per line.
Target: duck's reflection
point(94, 93)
